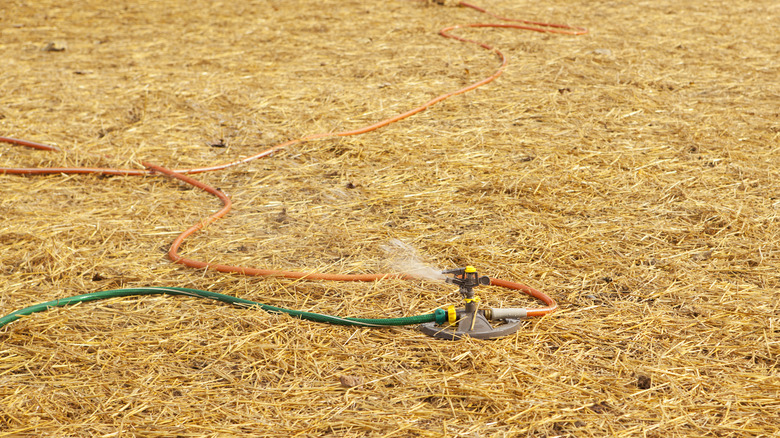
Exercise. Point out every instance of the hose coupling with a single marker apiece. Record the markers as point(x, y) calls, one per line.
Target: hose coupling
point(496, 314)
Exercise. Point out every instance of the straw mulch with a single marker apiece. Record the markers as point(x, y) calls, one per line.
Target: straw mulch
point(631, 173)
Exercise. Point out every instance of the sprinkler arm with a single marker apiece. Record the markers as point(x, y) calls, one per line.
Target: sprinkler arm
point(467, 279)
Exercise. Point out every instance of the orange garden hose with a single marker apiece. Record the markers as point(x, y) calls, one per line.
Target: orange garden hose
point(181, 173)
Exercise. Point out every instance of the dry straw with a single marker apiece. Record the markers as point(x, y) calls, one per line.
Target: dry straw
point(631, 173)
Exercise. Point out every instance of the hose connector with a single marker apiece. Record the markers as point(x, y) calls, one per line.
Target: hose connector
point(440, 316)
point(495, 314)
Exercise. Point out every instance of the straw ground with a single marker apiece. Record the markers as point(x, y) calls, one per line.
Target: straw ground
point(631, 173)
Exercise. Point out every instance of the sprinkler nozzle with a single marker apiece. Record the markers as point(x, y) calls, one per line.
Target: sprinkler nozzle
point(466, 278)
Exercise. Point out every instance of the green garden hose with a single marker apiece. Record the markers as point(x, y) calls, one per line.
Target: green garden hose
point(439, 316)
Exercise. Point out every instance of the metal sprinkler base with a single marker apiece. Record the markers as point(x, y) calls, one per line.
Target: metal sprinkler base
point(481, 329)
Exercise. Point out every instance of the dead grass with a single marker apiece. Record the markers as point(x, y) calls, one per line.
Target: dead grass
point(631, 173)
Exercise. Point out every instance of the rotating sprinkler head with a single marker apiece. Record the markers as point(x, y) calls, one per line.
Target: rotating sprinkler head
point(471, 320)
point(467, 279)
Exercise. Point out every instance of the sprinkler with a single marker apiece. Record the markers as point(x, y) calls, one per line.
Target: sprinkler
point(471, 320)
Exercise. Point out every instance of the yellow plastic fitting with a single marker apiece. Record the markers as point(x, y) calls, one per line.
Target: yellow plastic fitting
point(452, 316)
point(470, 269)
